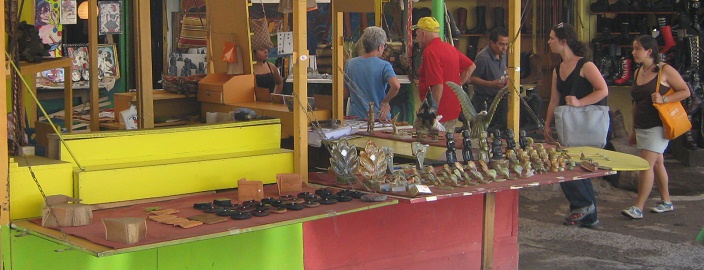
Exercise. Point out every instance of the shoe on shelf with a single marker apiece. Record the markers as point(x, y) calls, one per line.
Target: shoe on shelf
point(632, 212)
point(662, 207)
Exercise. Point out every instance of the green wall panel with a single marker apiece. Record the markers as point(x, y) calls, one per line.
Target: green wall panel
point(275, 248)
point(31, 252)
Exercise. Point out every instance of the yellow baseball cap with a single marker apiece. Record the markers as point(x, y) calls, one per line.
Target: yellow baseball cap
point(429, 24)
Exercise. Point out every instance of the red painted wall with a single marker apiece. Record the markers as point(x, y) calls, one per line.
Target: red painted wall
point(444, 234)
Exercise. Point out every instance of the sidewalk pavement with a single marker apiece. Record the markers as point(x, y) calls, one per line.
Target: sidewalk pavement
point(658, 241)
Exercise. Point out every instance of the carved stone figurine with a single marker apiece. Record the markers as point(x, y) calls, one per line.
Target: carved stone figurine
point(467, 146)
point(483, 147)
point(510, 139)
point(450, 152)
point(522, 139)
point(419, 151)
point(370, 118)
point(497, 146)
point(394, 126)
point(389, 159)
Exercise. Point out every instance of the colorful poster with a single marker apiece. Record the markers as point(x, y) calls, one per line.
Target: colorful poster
point(69, 13)
point(47, 22)
point(109, 21)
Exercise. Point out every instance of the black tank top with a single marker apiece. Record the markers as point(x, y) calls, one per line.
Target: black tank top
point(581, 86)
point(646, 116)
point(266, 80)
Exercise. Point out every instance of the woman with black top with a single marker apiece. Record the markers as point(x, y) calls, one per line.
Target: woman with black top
point(266, 74)
point(648, 134)
point(576, 72)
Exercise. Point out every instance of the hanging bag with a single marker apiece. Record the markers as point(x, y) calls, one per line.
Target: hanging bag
point(673, 115)
point(582, 126)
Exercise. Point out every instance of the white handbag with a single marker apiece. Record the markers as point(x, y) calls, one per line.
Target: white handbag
point(582, 126)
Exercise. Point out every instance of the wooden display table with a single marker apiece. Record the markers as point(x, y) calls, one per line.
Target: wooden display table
point(91, 238)
point(47, 64)
point(466, 228)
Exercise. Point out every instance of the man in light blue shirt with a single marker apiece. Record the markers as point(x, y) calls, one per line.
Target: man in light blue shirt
point(368, 76)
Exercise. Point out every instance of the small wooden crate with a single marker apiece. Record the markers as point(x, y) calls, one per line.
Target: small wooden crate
point(68, 215)
point(125, 230)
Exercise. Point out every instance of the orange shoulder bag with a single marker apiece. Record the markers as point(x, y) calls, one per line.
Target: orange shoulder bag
point(673, 115)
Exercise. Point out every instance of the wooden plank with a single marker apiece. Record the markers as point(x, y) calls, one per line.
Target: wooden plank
point(4, 175)
point(355, 6)
point(93, 63)
point(145, 96)
point(514, 63)
point(338, 77)
point(488, 233)
point(300, 89)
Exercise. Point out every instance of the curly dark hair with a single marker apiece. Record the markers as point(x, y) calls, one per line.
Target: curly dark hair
point(567, 32)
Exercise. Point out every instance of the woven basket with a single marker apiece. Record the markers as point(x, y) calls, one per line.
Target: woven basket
point(182, 85)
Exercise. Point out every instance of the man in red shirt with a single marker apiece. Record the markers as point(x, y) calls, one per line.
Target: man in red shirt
point(441, 63)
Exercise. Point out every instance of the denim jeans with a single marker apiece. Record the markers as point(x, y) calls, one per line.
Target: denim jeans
point(580, 194)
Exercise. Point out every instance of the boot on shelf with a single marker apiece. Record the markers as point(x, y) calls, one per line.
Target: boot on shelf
point(536, 72)
point(615, 65)
point(689, 141)
point(480, 27)
point(626, 71)
point(666, 33)
point(525, 64)
point(602, 62)
point(462, 19)
point(695, 5)
point(643, 25)
point(499, 17)
point(605, 37)
point(599, 6)
point(452, 27)
point(662, 5)
point(620, 6)
point(625, 37)
point(472, 47)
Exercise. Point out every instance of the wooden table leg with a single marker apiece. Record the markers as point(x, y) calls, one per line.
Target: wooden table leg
point(68, 99)
point(488, 229)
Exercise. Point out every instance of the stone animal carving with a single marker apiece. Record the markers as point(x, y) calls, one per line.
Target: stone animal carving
point(478, 122)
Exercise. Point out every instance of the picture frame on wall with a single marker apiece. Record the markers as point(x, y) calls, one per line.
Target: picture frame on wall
point(109, 18)
point(107, 61)
point(108, 65)
point(79, 67)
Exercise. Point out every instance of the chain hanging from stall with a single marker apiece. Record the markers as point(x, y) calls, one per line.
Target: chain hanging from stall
point(16, 120)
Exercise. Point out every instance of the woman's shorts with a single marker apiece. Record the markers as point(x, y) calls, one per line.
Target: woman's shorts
point(651, 139)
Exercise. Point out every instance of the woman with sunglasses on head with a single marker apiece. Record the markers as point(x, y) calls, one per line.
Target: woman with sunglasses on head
point(647, 133)
point(578, 73)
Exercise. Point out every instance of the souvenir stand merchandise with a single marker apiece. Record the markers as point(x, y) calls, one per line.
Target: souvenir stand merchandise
point(166, 179)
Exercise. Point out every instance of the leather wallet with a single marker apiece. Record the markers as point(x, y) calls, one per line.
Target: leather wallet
point(289, 183)
point(250, 190)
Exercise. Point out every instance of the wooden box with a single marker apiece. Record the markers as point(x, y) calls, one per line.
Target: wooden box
point(67, 214)
point(125, 230)
point(226, 89)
